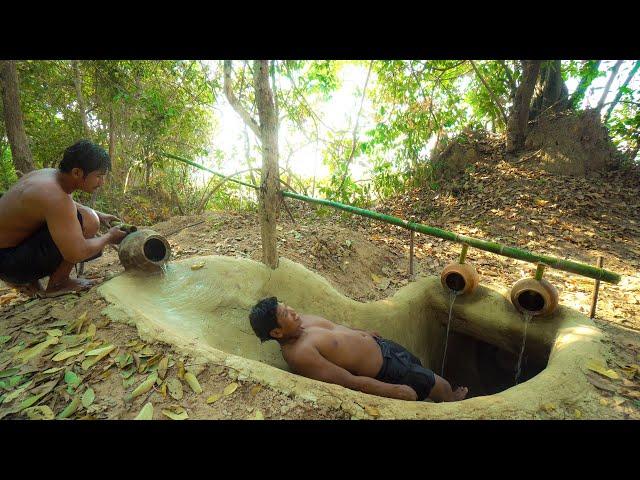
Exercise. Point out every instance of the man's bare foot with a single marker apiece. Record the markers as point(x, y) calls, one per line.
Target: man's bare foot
point(70, 285)
point(459, 394)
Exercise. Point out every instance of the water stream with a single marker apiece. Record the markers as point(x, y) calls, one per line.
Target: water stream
point(527, 318)
point(452, 298)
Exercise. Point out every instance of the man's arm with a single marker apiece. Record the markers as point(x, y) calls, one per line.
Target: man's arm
point(62, 221)
point(310, 363)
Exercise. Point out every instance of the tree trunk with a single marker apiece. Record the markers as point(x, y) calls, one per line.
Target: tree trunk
point(126, 180)
point(112, 137)
point(77, 81)
point(620, 90)
point(550, 93)
point(22, 159)
point(517, 124)
point(147, 175)
point(269, 187)
point(614, 72)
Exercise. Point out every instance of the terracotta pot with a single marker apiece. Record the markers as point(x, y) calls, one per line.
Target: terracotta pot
point(535, 297)
point(460, 277)
point(144, 250)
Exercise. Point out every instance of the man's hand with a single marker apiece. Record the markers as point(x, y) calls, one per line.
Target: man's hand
point(106, 219)
point(406, 393)
point(375, 334)
point(116, 235)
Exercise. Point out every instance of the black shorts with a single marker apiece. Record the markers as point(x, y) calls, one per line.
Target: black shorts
point(399, 366)
point(36, 257)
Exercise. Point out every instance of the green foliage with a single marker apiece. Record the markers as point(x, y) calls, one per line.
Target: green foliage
point(146, 107)
point(7, 171)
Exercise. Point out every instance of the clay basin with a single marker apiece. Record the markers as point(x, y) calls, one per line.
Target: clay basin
point(204, 312)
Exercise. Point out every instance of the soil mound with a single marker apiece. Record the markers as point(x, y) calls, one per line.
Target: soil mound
point(571, 143)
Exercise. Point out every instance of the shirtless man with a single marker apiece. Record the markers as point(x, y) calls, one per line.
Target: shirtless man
point(317, 348)
point(43, 232)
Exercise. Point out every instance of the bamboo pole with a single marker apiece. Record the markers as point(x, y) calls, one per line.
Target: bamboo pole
point(493, 247)
point(596, 289)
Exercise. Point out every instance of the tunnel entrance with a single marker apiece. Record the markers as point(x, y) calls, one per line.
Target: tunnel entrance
point(484, 368)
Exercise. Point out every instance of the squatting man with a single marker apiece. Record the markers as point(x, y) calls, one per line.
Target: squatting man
point(360, 360)
point(44, 232)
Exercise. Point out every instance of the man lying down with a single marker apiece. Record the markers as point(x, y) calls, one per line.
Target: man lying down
point(317, 348)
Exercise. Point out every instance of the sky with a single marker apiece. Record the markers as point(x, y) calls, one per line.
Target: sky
point(339, 113)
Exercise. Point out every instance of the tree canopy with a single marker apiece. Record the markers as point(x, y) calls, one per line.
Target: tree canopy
point(401, 113)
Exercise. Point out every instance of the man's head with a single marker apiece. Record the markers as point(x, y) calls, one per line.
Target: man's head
point(271, 320)
point(87, 164)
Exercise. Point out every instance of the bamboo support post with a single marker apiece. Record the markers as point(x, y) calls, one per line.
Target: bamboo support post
point(540, 271)
point(463, 253)
point(596, 289)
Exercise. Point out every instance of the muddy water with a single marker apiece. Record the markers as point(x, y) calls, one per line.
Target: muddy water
point(209, 305)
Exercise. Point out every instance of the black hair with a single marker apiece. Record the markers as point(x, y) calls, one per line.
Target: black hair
point(263, 318)
point(85, 155)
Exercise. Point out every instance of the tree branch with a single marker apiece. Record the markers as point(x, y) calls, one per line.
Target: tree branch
point(355, 129)
point(619, 94)
point(614, 72)
point(491, 94)
point(237, 106)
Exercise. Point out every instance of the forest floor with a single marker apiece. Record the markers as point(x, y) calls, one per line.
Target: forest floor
point(568, 217)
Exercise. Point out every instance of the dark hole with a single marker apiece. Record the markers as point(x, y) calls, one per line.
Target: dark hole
point(154, 250)
point(531, 300)
point(486, 369)
point(455, 281)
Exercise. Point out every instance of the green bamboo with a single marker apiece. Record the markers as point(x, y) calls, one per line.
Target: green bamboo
point(201, 167)
point(463, 253)
point(540, 271)
point(511, 252)
point(493, 247)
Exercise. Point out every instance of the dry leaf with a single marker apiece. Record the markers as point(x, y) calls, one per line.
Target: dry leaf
point(197, 266)
point(229, 389)
point(64, 354)
point(41, 412)
point(145, 386)
point(602, 370)
point(175, 388)
point(176, 413)
point(254, 390)
point(26, 355)
point(71, 408)
point(577, 413)
point(88, 397)
point(191, 379)
point(101, 350)
point(162, 367)
point(373, 411)
point(146, 413)
point(214, 398)
point(91, 331)
point(258, 415)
